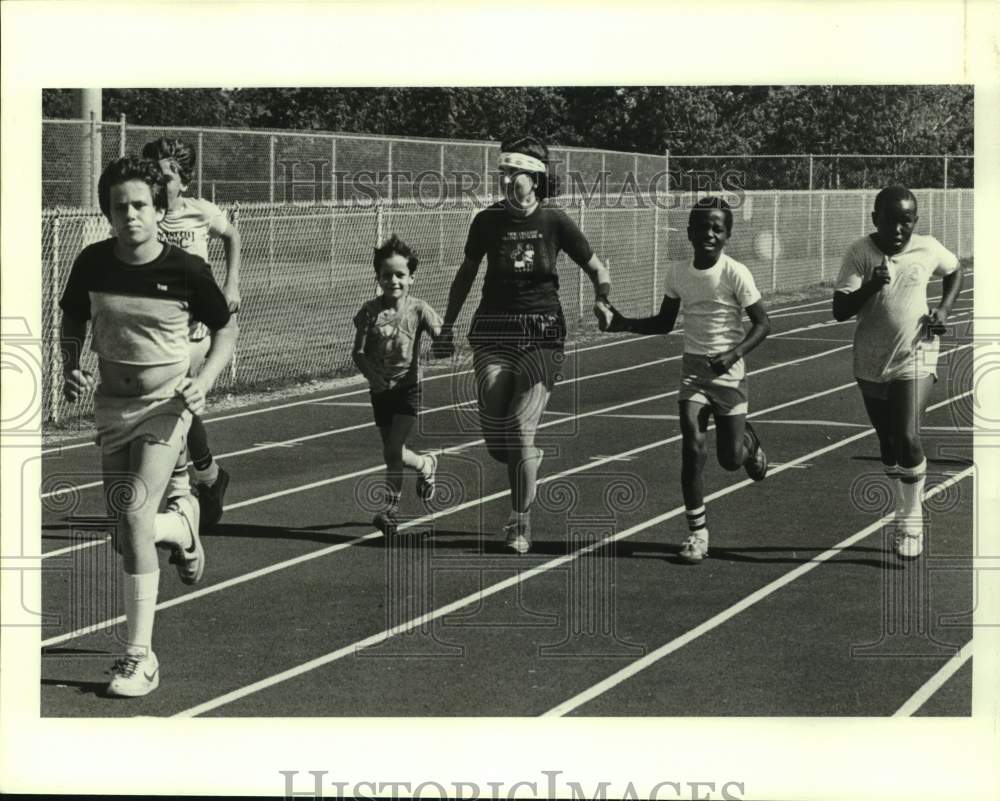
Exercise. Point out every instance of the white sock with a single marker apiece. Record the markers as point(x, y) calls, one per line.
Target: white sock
point(179, 482)
point(172, 528)
point(139, 593)
point(518, 517)
point(911, 491)
point(392, 501)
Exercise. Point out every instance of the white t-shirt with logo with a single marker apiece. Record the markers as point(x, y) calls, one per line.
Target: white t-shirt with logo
point(889, 333)
point(713, 301)
point(189, 226)
point(192, 223)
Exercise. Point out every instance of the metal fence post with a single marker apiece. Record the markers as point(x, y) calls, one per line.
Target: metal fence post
point(333, 210)
point(232, 362)
point(656, 253)
point(774, 243)
point(54, 353)
point(95, 158)
point(201, 149)
point(441, 202)
point(579, 280)
point(388, 193)
point(945, 172)
point(378, 223)
point(270, 215)
point(121, 136)
point(958, 227)
point(822, 236)
point(666, 227)
point(486, 171)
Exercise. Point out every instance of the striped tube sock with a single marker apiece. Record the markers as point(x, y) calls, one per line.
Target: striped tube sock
point(392, 501)
point(911, 490)
point(696, 518)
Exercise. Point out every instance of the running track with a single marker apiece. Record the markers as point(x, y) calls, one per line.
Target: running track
point(305, 610)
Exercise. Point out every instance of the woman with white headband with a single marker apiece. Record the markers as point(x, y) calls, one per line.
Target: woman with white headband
point(518, 331)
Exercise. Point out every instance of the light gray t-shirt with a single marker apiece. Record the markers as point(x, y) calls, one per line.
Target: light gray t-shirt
point(889, 329)
point(392, 337)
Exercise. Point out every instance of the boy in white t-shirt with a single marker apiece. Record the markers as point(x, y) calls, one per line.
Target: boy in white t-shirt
point(188, 224)
point(883, 280)
point(714, 290)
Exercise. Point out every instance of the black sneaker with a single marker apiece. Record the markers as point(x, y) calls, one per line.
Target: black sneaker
point(756, 463)
point(210, 498)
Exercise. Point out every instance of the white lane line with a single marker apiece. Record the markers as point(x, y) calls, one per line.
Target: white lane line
point(472, 443)
point(717, 620)
point(527, 575)
point(286, 443)
point(937, 681)
point(411, 523)
point(362, 390)
point(832, 423)
point(371, 424)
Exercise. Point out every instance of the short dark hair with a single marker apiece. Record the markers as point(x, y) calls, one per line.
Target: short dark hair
point(892, 194)
point(546, 183)
point(394, 246)
point(712, 203)
point(131, 168)
point(181, 153)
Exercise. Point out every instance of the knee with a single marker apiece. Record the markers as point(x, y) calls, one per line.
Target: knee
point(907, 443)
point(135, 528)
point(693, 448)
point(730, 461)
point(393, 456)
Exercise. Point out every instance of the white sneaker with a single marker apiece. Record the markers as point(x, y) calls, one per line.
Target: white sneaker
point(909, 539)
point(134, 675)
point(517, 536)
point(190, 561)
point(695, 548)
point(425, 481)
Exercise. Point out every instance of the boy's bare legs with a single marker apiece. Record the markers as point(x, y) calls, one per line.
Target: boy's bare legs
point(693, 455)
point(135, 478)
point(880, 415)
point(397, 457)
point(907, 403)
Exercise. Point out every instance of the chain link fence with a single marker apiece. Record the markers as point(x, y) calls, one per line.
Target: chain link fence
point(307, 268)
point(310, 207)
point(821, 171)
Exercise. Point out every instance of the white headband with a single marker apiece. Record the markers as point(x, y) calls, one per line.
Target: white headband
point(520, 161)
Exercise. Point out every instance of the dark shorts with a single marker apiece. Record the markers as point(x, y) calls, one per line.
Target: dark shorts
point(398, 400)
point(510, 331)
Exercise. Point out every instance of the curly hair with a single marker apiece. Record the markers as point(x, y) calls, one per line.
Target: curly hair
point(394, 246)
point(546, 183)
point(181, 153)
point(131, 168)
point(707, 204)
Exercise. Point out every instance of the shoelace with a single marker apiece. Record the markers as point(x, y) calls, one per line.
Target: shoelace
point(126, 666)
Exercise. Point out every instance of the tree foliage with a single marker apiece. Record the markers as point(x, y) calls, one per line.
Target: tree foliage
point(650, 119)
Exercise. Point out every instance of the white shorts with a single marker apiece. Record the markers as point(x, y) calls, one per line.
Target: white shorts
point(701, 384)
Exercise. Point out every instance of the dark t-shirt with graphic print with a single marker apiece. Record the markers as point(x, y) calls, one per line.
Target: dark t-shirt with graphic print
point(521, 257)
